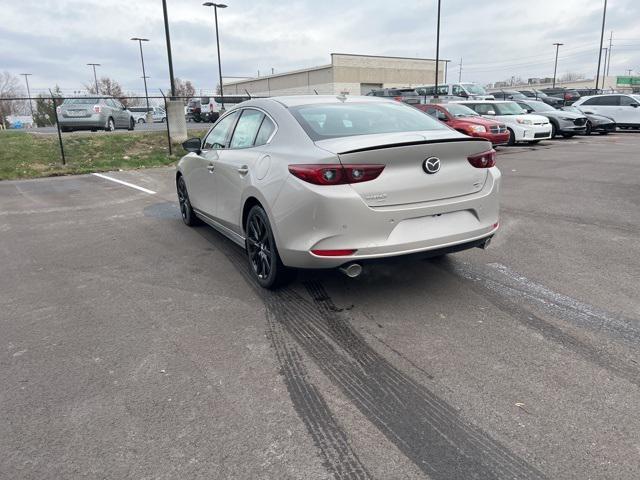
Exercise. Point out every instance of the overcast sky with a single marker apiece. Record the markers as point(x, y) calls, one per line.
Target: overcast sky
point(54, 39)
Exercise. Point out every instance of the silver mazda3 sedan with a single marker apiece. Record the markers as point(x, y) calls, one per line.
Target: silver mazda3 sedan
point(326, 182)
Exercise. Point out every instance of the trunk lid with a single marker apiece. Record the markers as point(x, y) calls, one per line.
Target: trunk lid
point(404, 179)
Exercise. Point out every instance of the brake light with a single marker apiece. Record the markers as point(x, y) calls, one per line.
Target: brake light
point(567, 96)
point(483, 160)
point(336, 174)
point(398, 99)
point(96, 108)
point(333, 253)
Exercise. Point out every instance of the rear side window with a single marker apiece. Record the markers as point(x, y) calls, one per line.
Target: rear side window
point(266, 130)
point(246, 128)
point(81, 101)
point(603, 101)
point(334, 120)
point(217, 137)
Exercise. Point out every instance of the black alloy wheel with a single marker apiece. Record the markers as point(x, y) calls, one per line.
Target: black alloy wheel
point(186, 211)
point(589, 128)
point(266, 266)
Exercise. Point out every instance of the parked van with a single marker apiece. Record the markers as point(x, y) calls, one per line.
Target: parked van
point(456, 91)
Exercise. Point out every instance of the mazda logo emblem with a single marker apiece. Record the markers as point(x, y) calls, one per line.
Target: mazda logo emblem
point(431, 165)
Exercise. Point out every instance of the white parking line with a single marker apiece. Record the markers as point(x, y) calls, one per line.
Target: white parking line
point(142, 189)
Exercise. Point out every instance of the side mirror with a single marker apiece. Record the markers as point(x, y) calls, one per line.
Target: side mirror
point(529, 110)
point(635, 105)
point(192, 145)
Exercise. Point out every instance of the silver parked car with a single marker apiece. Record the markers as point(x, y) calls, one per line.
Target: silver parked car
point(94, 113)
point(140, 114)
point(326, 182)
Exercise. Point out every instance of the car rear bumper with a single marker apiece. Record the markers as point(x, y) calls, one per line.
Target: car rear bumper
point(94, 121)
point(338, 218)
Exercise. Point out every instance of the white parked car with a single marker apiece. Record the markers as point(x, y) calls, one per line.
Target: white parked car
point(324, 182)
point(624, 109)
point(456, 91)
point(140, 114)
point(522, 126)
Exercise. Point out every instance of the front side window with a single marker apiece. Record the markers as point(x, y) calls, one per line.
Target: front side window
point(218, 135)
point(334, 120)
point(246, 128)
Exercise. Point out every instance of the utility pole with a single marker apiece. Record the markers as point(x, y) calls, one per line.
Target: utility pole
point(144, 75)
point(460, 71)
point(26, 79)
point(606, 52)
point(629, 71)
point(169, 57)
point(555, 68)
point(610, 45)
point(216, 6)
point(95, 77)
point(435, 95)
point(604, 17)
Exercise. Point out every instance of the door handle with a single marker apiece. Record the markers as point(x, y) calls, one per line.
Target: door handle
point(210, 167)
point(243, 170)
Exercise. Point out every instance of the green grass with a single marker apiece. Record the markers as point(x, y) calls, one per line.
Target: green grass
point(27, 155)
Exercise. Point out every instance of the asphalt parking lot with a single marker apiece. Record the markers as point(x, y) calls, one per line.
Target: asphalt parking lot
point(132, 346)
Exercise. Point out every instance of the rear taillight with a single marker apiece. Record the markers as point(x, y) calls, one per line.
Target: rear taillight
point(398, 99)
point(333, 253)
point(336, 174)
point(567, 96)
point(483, 160)
point(96, 108)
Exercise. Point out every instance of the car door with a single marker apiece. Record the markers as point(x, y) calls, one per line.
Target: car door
point(236, 168)
point(201, 176)
point(122, 113)
point(627, 112)
point(603, 105)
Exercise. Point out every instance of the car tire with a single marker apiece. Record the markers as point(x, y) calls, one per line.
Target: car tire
point(110, 126)
point(132, 124)
point(141, 120)
point(186, 210)
point(512, 138)
point(589, 128)
point(604, 132)
point(568, 135)
point(65, 129)
point(554, 130)
point(265, 264)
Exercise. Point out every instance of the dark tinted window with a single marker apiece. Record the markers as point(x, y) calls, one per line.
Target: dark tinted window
point(81, 101)
point(266, 130)
point(217, 137)
point(627, 101)
point(335, 120)
point(246, 128)
point(609, 100)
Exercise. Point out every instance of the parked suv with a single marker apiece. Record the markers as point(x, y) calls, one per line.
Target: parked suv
point(569, 96)
point(624, 109)
point(522, 127)
point(467, 121)
point(406, 95)
point(563, 123)
point(94, 113)
point(543, 97)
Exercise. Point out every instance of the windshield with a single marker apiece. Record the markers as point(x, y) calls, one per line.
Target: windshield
point(460, 110)
point(474, 89)
point(636, 98)
point(571, 109)
point(540, 106)
point(508, 108)
point(334, 120)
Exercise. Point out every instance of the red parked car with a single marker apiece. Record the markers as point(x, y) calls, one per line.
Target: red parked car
point(467, 121)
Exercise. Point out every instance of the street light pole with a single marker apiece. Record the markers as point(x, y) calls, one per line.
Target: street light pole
point(555, 68)
point(437, 52)
point(26, 79)
point(606, 55)
point(216, 6)
point(166, 31)
point(95, 77)
point(144, 74)
point(604, 16)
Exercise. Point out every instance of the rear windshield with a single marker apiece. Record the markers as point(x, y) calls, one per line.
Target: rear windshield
point(81, 101)
point(347, 119)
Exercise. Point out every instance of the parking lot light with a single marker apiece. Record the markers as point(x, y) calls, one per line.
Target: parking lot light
point(144, 75)
point(555, 68)
point(95, 77)
point(216, 6)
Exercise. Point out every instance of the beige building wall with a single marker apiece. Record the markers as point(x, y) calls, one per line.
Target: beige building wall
point(349, 74)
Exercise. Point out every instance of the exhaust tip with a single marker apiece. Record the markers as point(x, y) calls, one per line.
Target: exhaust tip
point(352, 270)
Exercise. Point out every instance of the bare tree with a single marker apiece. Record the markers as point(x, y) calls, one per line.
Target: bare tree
point(9, 88)
point(184, 88)
point(571, 77)
point(109, 87)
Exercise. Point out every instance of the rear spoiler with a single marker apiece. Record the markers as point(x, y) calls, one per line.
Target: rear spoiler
point(419, 142)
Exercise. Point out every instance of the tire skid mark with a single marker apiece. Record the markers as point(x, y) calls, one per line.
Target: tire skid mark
point(338, 457)
point(504, 281)
point(507, 296)
point(425, 428)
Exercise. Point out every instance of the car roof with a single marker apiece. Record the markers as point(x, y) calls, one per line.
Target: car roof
point(484, 101)
point(297, 100)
